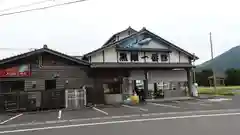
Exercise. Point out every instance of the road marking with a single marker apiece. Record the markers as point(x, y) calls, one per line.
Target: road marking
point(118, 122)
point(164, 105)
point(134, 107)
point(202, 104)
point(11, 119)
point(205, 101)
point(59, 114)
point(121, 116)
point(219, 99)
point(192, 103)
point(176, 101)
point(94, 108)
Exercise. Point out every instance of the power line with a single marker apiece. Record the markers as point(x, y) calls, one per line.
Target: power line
point(42, 8)
point(26, 5)
point(16, 49)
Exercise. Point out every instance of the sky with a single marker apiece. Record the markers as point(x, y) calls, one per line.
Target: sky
point(82, 27)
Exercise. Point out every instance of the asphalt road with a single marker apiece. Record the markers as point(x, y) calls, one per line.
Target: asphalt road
point(220, 123)
point(180, 117)
point(106, 111)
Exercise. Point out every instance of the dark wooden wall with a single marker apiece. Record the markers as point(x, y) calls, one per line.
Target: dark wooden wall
point(76, 74)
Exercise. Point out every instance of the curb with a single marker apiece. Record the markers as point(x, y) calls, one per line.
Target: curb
point(167, 100)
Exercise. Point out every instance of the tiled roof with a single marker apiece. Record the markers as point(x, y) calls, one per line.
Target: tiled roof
point(144, 30)
point(44, 49)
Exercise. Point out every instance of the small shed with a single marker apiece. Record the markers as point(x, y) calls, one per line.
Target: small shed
point(220, 80)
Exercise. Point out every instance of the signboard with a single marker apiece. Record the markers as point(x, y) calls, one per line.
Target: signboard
point(18, 71)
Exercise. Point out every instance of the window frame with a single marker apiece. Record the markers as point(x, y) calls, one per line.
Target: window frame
point(50, 83)
point(157, 58)
point(134, 53)
point(162, 57)
point(123, 59)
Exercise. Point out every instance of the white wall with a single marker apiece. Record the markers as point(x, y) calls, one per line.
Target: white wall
point(149, 59)
point(110, 55)
point(123, 35)
point(97, 57)
point(174, 56)
point(140, 55)
point(184, 58)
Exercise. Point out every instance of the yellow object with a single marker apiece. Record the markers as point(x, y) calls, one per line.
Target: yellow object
point(134, 99)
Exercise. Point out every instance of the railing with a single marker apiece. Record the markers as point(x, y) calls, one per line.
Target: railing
point(32, 101)
point(75, 98)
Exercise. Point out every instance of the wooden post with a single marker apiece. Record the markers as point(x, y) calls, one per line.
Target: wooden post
point(145, 84)
point(189, 81)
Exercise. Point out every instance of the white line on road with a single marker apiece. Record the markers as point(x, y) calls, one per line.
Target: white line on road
point(118, 122)
point(59, 114)
point(192, 103)
point(11, 119)
point(94, 108)
point(121, 116)
point(176, 101)
point(164, 105)
point(134, 107)
point(202, 104)
point(205, 101)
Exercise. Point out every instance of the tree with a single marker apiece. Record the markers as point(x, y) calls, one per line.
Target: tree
point(232, 77)
point(202, 77)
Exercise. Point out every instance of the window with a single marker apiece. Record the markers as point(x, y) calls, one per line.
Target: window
point(134, 56)
point(12, 86)
point(50, 84)
point(164, 57)
point(112, 88)
point(155, 57)
point(123, 56)
point(129, 32)
point(34, 84)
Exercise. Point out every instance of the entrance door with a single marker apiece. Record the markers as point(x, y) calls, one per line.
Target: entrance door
point(168, 82)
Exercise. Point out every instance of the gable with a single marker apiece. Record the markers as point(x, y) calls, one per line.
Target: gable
point(143, 41)
point(140, 40)
point(149, 41)
point(49, 59)
point(120, 35)
point(33, 56)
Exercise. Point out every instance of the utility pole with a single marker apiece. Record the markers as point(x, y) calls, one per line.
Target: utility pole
point(214, 77)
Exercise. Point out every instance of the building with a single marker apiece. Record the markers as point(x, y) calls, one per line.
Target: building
point(38, 78)
point(133, 59)
point(220, 80)
point(129, 61)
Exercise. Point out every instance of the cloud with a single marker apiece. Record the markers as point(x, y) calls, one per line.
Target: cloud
point(82, 27)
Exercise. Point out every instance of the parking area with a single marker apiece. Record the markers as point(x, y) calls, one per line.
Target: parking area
point(99, 112)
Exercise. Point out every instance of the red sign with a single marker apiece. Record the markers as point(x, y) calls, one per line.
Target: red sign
point(19, 71)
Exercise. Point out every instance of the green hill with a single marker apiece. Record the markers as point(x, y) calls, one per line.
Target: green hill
point(229, 59)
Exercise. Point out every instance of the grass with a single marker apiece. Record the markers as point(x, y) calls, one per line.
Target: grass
point(221, 90)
